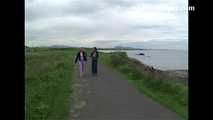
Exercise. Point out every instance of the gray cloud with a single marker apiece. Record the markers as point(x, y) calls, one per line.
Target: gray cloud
point(106, 41)
point(104, 21)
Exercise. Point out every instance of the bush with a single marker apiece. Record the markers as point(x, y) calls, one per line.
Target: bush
point(118, 59)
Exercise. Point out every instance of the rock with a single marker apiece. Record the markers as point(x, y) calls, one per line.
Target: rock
point(141, 54)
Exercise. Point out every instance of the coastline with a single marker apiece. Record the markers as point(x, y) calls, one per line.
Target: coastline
point(169, 88)
point(177, 74)
point(180, 75)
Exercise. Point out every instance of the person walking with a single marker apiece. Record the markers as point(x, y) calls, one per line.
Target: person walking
point(81, 58)
point(94, 56)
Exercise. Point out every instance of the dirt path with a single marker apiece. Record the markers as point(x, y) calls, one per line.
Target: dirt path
point(108, 96)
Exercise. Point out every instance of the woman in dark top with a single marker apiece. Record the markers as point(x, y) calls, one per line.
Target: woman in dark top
point(94, 56)
point(81, 58)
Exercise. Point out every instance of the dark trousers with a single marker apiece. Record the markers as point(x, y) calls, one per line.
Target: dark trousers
point(94, 66)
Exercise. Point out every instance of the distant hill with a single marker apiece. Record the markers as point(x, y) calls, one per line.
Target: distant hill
point(121, 48)
point(60, 46)
point(126, 48)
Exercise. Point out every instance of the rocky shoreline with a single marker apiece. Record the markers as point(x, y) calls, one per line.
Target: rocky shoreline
point(179, 75)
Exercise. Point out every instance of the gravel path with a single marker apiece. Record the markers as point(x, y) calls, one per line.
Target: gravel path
point(108, 96)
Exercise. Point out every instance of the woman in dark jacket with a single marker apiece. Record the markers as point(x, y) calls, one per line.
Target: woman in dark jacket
point(81, 58)
point(94, 56)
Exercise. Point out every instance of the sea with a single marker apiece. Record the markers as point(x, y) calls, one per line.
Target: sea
point(161, 59)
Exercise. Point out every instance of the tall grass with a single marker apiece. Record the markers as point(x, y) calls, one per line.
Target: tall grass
point(167, 92)
point(48, 80)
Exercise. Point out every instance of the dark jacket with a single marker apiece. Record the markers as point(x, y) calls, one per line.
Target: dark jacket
point(78, 56)
point(96, 57)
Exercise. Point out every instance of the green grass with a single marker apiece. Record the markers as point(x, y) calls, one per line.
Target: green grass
point(169, 93)
point(48, 80)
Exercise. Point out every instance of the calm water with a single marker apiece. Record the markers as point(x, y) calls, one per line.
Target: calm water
point(160, 59)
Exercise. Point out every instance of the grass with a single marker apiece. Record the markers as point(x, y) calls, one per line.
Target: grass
point(48, 80)
point(167, 92)
point(48, 83)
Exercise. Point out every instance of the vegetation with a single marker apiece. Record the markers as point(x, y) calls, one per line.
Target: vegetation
point(49, 74)
point(48, 80)
point(167, 92)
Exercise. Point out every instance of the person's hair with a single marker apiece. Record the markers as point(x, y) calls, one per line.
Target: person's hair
point(95, 48)
point(81, 49)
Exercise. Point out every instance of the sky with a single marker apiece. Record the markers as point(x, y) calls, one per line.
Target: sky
point(107, 23)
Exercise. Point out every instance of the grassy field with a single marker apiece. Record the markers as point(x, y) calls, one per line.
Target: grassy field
point(49, 75)
point(169, 93)
point(48, 80)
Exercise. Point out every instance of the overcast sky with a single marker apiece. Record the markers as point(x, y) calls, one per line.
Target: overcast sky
point(107, 23)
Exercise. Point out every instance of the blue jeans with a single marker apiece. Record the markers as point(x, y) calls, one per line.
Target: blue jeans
point(94, 66)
